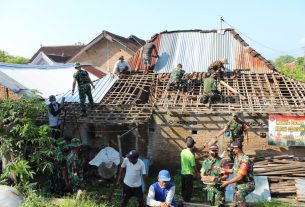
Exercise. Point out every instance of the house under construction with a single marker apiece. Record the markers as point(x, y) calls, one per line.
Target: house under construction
point(159, 120)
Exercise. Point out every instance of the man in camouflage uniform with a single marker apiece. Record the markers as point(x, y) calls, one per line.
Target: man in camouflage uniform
point(211, 167)
point(74, 166)
point(244, 178)
point(238, 130)
point(83, 81)
point(59, 182)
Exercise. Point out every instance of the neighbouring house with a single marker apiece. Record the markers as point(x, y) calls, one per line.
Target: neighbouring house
point(54, 55)
point(290, 65)
point(106, 49)
point(47, 80)
point(157, 121)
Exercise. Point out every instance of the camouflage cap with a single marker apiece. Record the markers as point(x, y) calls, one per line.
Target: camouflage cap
point(77, 64)
point(75, 142)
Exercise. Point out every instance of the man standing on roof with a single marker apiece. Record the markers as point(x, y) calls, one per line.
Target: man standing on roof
point(244, 177)
point(148, 50)
point(211, 166)
point(83, 81)
point(188, 169)
point(237, 129)
point(218, 66)
point(121, 67)
point(54, 110)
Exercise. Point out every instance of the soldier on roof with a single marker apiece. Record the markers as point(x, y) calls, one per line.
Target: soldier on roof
point(83, 81)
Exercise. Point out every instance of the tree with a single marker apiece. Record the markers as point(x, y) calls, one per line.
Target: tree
point(25, 145)
point(297, 72)
point(7, 58)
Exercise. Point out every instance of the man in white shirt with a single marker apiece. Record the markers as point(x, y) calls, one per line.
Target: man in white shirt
point(121, 67)
point(162, 193)
point(132, 185)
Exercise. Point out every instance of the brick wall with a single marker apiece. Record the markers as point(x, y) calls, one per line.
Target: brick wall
point(6, 93)
point(168, 130)
point(104, 54)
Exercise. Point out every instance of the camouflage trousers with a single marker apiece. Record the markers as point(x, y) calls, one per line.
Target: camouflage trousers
point(76, 183)
point(241, 191)
point(82, 92)
point(216, 196)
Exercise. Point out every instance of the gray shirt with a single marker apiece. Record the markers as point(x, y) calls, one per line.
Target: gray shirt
point(148, 48)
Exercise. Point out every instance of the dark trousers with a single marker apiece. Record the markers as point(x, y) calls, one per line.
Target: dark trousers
point(129, 192)
point(187, 187)
point(55, 131)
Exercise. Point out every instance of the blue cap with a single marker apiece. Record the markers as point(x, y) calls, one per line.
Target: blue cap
point(164, 175)
point(133, 154)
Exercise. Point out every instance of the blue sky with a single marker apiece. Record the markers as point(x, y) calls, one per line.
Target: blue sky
point(272, 27)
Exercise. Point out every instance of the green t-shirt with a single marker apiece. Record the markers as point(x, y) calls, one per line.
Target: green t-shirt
point(177, 74)
point(209, 85)
point(187, 162)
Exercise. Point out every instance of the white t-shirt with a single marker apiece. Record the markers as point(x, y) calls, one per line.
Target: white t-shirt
point(134, 172)
point(121, 66)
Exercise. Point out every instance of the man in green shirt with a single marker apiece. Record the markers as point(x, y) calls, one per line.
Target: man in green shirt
point(83, 81)
point(177, 79)
point(188, 170)
point(211, 94)
point(211, 167)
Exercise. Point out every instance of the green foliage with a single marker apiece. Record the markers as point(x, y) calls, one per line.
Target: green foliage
point(297, 72)
point(7, 58)
point(27, 144)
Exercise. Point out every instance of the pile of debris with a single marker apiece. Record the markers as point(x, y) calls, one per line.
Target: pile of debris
point(284, 173)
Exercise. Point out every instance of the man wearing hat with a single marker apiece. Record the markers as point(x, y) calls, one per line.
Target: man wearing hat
point(54, 110)
point(218, 66)
point(211, 168)
point(58, 179)
point(121, 67)
point(238, 130)
point(83, 81)
point(74, 165)
point(243, 171)
point(162, 192)
point(188, 169)
point(132, 185)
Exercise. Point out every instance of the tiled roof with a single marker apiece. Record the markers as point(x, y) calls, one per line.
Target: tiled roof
point(64, 51)
point(133, 43)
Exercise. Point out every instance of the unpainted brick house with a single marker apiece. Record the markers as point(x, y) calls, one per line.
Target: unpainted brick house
point(160, 119)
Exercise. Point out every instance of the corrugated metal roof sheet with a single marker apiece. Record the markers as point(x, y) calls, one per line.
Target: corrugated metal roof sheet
point(197, 49)
point(14, 86)
point(102, 86)
point(47, 80)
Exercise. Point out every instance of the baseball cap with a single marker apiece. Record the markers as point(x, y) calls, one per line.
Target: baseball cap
point(190, 142)
point(236, 144)
point(133, 154)
point(234, 114)
point(164, 175)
